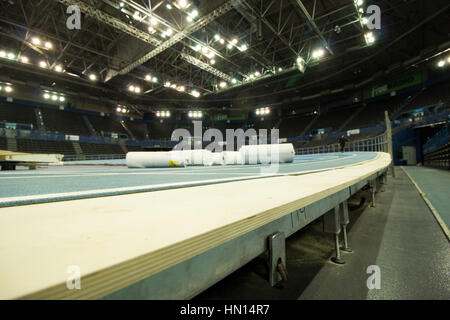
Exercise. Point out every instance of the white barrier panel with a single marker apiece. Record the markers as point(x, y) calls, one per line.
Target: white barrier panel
point(155, 159)
point(268, 153)
point(231, 157)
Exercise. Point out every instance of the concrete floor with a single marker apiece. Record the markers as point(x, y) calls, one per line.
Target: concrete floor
point(435, 183)
point(399, 235)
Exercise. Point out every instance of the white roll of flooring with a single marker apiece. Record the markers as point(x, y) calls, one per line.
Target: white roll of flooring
point(217, 158)
point(267, 153)
point(195, 157)
point(231, 157)
point(154, 159)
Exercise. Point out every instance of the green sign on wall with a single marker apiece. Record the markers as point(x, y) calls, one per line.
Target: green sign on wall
point(401, 83)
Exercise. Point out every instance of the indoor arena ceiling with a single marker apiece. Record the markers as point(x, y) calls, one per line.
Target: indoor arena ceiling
point(216, 50)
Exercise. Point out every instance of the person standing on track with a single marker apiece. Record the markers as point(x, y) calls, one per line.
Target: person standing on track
point(342, 141)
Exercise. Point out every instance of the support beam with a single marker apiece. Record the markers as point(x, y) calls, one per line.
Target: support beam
point(313, 25)
point(204, 66)
point(181, 35)
point(122, 26)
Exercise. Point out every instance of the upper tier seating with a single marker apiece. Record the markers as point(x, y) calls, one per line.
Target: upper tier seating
point(106, 125)
point(64, 122)
point(17, 113)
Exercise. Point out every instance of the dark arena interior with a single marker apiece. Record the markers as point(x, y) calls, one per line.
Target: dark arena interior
point(208, 150)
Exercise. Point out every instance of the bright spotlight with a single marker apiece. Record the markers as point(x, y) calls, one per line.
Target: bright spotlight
point(212, 61)
point(223, 84)
point(11, 56)
point(153, 21)
point(243, 47)
point(8, 89)
point(48, 45)
point(24, 59)
point(182, 4)
point(92, 77)
point(233, 81)
point(54, 97)
point(58, 68)
point(43, 64)
point(36, 41)
point(154, 79)
point(441, 63)
point(369, 38)
point(2, 54)
point(62, 99)
point(318, 53)
point(148, 77)
point(131, 88)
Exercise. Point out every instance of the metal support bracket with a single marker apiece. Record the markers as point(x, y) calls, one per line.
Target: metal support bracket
point(344, 220)
point(383, 182)
point(373, 190)
point(277, 258)
point(331, 224)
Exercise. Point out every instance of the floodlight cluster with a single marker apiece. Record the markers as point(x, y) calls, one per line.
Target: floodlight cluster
point(41, 63)
point(195, 114)
point(444, 62)
point(150, 78)
point(163, 114)
point(38, 42)
point(369, 36)
point(6, 87)
point(134, 89)
point(53, 96)
point(262, 111)
point(122, 109)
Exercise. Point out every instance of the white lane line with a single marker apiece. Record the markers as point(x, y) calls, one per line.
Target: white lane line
point(116, 174)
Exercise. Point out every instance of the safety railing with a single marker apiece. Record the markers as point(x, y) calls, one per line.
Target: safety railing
point(375, 144)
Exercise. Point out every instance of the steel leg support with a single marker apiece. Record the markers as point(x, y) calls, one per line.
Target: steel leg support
point(344, 220)
point(373, 189)
point(277, 258)
point(331, 225)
